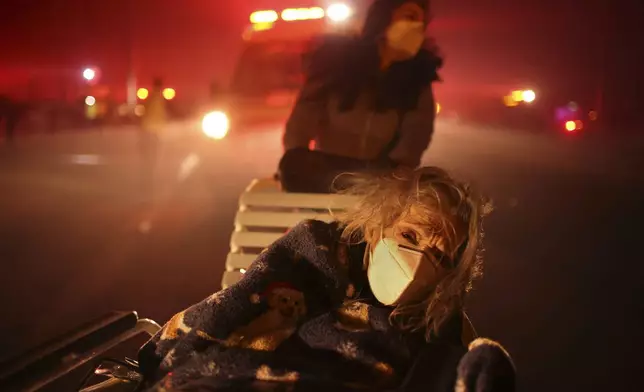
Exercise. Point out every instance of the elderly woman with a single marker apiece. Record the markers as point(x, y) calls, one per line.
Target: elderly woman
point(371, 301)
point(367, 102)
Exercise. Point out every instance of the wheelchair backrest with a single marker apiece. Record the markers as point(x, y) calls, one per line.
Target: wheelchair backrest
point(265, 213)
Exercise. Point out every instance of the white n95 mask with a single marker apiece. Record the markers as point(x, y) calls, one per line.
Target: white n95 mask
point(398, 274)
point(406, 36)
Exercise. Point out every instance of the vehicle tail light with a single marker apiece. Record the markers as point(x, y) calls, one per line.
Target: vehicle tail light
point(572, 126)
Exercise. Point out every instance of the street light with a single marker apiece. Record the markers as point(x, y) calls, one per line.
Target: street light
point(90, 100)
point(89, 74)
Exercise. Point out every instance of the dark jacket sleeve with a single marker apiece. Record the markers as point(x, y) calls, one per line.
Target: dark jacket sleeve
point(303, 261)
point(416, 130)
point(435, 365)
point(434, 368)
point(309, 113)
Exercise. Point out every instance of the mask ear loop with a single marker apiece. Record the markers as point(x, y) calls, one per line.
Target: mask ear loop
point(366, 259)
point(382, 237)
point(368, 254)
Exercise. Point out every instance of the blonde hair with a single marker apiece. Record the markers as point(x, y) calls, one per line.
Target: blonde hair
point(439, 202)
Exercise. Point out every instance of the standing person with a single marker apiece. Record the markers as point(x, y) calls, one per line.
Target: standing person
point(10, 112)
point(152, 124)
point(367, 102)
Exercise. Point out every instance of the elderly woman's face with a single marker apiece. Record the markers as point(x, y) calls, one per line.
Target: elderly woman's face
point(411, 231)
point(409, 258)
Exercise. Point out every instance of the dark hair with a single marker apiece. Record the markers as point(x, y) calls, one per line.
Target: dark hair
point(380, 13)
point(352, 66)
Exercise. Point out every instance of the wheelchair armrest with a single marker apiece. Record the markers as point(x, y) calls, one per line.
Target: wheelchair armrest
point(59, 356)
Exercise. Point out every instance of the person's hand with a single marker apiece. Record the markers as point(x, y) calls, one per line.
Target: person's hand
point(486, 367)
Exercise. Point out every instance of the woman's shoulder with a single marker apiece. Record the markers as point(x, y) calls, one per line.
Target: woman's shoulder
point(427, 64)
point(431, 56)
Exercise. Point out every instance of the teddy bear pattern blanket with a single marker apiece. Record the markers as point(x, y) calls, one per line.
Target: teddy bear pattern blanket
point(301, 313)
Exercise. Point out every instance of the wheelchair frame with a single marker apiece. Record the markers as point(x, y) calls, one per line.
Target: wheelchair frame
point(59, 356)
point(265, 213)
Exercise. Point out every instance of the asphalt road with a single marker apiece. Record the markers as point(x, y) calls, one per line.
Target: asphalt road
point(80, 235)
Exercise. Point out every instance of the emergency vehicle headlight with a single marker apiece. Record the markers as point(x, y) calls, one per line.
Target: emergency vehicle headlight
point(215, 125)
point(528, 96)
point(518, 96)
point(169, 93)
point(572, 126)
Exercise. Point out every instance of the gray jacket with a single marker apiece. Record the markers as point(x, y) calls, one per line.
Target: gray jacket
point(361, 133)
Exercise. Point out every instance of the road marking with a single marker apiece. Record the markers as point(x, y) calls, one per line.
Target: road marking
point(188, 166)
point(145, 226)
point(86, 159)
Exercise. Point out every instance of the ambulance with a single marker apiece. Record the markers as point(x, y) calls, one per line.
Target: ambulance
point(269, 71)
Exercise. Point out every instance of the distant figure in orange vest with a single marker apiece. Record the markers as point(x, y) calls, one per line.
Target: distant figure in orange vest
point(10, 113)
point(155, 116)
point(153, 123)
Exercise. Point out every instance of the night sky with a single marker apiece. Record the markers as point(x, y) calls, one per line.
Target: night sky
point(570, 45)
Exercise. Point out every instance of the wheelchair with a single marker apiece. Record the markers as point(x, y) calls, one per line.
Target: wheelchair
point(265, 213)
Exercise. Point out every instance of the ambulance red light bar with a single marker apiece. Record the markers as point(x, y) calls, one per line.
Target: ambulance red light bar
point(293, 14)
point(267, 16)
point(337, 12)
